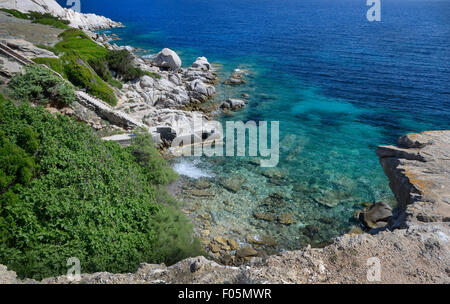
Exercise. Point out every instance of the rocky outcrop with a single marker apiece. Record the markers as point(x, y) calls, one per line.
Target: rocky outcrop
point(77, 20)
point(419, 254)
point(168, 59)
point(418, 168)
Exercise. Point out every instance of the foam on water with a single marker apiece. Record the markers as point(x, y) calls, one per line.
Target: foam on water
point(190, 169)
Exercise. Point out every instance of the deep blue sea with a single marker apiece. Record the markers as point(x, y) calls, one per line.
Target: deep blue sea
point(338, 84)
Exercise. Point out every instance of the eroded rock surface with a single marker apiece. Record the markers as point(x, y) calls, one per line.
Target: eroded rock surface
point(419, 254)
point(418, 168)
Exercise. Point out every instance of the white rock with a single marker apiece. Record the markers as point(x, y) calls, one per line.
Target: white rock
point(199, 87)
point(233, 104)
point(202, 63)
point(168, 59)
point(77, 20)
point(147, 82)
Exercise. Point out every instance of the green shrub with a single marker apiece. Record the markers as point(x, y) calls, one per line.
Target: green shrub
point(65, 193)
point(40, 85)
point(154, 167)
point(99, 66)
point(81, 76)
point(121, 62)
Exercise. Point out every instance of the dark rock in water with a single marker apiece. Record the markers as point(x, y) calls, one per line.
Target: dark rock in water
point(375, 216)
point(200, 193)
point(274, 173)
point(310, 231)
point(232, 184)
point(286, 219)
point(274, 199)
point(201, 184)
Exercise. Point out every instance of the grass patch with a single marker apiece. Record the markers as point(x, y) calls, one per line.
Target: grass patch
point(75, 43)
point(41, 18)
point(54, 63)
point(15, 13)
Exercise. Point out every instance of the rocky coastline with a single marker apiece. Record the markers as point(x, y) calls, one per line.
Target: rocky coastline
point(77, 20)
point(411, 241)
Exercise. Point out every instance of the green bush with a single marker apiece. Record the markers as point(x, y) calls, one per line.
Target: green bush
point(81, 76)
point(66, 193)
point(40, 85)
point(121, 62)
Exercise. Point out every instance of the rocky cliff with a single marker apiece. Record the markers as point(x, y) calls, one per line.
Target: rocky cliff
point(418, 168)
point(77, 20)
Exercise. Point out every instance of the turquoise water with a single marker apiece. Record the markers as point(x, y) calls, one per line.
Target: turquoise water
point(338, 84)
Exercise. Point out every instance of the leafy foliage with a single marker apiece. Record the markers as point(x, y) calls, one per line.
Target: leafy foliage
point(65, 193)
point(40, 85)
point(121, 63)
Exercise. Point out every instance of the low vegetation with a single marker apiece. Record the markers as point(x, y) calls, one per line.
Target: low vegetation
point(39, 85)
point(41, 18)
point(66, 193)
point(91, 66)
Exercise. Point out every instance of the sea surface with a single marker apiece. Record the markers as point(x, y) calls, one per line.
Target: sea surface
point(338, 84)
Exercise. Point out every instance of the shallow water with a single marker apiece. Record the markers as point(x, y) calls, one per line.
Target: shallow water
point(338, 84)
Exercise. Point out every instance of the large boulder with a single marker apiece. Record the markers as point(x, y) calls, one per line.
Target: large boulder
point(168, 59)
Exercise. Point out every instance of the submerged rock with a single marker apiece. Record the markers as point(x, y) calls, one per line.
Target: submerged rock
point(232, 184)
point(286, 219)
point(233, 104)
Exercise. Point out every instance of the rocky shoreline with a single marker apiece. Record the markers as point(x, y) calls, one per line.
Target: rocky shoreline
point(417, 251)
point(412, 241)
point(77, 20)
